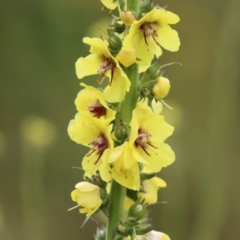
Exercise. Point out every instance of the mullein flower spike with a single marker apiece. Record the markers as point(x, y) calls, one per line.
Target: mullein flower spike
point(126, 152)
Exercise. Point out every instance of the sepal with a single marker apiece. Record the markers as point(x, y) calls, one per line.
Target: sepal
point(137, 222)
point(121, 131)
point(146, 6)
point(118, 27)
point(146, 176)
point(152, 73)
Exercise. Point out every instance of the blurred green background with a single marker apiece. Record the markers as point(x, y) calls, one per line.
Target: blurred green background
point(39, 43)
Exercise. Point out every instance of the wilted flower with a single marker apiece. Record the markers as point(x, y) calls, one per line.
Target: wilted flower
point(88, 197)
point(150, 188)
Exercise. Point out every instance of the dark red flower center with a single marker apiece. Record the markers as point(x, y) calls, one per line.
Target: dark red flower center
point(107, 65)
point(149, 30)
point(99, 144)
point(143, 140)
point(97, 109)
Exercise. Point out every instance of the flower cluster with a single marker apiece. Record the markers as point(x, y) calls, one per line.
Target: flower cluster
point(121, 123)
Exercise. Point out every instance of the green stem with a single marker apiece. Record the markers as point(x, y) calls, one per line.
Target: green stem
point(130, 100)
point(116, 206)
point(118, 192)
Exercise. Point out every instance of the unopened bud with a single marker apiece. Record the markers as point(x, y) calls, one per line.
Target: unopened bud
point(115, 43)
point(128, 18)
point(122, 131)
point(161, 88)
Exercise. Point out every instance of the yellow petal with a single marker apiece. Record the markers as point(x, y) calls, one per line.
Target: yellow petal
point(125, 169)
point(117, 90)
point(84, 129)
point(88, 65)
point(110, 4)
point(98, 46)
point(144, 52)
point(126, 57)
point(87, 196)
point(168, 38)
point(159, 182)
point(164, 16)
point(158, 158)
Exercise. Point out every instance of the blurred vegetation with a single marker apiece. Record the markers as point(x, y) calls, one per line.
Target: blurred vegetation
point(39, 44)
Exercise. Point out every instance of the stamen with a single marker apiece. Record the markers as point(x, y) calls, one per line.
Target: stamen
point(99, 144)
point(97, 109)
point(149, 29)
point(143, 141)
point(107, 64)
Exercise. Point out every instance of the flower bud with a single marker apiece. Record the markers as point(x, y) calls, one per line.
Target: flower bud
point(121, 131)
point(115, 43)
point(149, 192)
point(128, 17)
point(161, 88)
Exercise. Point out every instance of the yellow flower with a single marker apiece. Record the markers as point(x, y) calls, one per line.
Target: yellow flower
point(91, 101)
point(145, 145)
point(88, 197)
point(151, 32)
point(150, 190)
point(125, 169)
point(93, 133)
point(148, 131)
point(100, 61)
point(110, 4)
